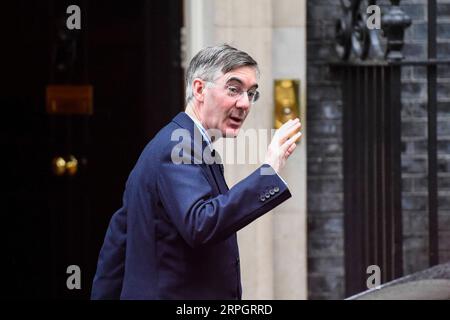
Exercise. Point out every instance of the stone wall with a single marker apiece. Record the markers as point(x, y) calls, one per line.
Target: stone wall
point(272, 248)
point(325, 181)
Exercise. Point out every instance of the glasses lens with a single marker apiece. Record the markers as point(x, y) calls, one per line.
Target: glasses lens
point(255, 97)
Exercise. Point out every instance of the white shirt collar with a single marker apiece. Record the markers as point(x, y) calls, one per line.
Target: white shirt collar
point(201, 128)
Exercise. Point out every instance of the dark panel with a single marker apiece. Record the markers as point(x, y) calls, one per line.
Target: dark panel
point(373, 231)
point(54, 222)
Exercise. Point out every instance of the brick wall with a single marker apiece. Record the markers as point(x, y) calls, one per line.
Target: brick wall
point(414, 139)
point(325, 180)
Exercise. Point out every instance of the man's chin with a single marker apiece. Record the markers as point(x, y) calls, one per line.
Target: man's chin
point(231, 133)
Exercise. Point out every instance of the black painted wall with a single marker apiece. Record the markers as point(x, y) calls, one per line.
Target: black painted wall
point(130, 54)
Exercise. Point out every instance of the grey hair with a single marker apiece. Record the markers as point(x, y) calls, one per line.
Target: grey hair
point(210, 61)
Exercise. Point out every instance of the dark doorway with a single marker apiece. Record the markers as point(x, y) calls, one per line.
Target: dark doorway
point(129, 52)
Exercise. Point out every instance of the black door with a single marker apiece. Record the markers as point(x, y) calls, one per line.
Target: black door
point(64, 171)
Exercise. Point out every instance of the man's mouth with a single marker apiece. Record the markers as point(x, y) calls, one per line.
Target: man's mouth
point(236, 119)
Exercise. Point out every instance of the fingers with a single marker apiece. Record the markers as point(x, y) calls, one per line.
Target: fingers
point(294, 129)
point(287, 125)
point(291, 148)
point(288, 129)
point(285, 147)
point(283, 144)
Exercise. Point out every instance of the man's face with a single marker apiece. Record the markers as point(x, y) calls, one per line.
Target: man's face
point(223, 111)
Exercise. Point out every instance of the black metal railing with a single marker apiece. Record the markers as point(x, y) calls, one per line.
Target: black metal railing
point(370, 67)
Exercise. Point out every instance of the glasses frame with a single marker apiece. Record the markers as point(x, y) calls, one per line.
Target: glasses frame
point(239, 95)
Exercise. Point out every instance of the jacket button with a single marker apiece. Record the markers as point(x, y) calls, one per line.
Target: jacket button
point(276, 189)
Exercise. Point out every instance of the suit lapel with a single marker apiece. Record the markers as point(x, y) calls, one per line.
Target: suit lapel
point(216, 168)
point(217, 171)
point(219, 177)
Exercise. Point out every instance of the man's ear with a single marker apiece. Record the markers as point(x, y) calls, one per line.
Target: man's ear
point(198, 87)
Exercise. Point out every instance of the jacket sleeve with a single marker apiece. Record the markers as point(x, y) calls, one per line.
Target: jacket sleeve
point(202, 218)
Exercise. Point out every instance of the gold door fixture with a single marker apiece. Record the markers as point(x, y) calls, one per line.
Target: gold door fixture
point(63, 166)
point(286, 98)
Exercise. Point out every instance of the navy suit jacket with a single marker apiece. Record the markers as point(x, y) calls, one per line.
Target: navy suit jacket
point(175, 235)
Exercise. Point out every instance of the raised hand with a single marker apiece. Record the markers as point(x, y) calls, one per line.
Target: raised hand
point(283, 144)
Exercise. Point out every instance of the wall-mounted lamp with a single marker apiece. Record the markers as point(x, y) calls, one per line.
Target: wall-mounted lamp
point(287, 100)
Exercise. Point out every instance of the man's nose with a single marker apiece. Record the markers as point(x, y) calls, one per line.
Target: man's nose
point(243, 101)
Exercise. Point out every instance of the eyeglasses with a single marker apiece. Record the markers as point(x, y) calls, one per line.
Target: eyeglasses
point(236, 92)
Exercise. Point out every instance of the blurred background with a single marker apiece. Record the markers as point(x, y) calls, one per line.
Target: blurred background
point(370, 179)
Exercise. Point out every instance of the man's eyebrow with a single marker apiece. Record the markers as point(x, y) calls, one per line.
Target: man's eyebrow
point(255, 86)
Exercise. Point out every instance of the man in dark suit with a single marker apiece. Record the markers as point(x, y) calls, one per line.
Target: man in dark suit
point(175, 235)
